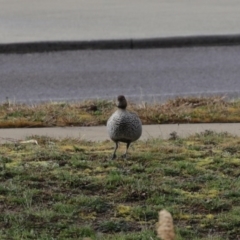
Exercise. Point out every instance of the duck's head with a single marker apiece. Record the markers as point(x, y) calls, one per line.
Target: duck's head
point(121, 102)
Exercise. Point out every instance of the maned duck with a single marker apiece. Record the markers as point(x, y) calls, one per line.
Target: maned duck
point(123, 126)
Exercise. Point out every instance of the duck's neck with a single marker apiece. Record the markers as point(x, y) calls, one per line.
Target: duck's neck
point(122, 109)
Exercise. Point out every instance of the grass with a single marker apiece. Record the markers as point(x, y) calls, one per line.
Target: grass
point(70, 189)
point(92, 113)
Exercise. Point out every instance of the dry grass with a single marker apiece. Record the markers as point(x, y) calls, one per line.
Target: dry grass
point(93, 113)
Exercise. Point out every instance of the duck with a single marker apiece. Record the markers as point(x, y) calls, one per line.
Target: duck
point(123, 126)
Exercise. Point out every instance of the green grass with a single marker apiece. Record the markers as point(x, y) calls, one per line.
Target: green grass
point(92, 113)
point(70, 189)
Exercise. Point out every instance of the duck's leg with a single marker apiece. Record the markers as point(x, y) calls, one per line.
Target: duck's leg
point(125, 154)
point(114, 153)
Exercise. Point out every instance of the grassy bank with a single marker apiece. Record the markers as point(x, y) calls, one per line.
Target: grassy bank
point(69, 189)
point(92, 113)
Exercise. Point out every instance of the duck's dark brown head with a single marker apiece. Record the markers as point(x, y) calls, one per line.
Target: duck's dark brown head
point(122, 102)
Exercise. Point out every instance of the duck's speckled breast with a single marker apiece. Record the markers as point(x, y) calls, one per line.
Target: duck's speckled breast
point(124, 126)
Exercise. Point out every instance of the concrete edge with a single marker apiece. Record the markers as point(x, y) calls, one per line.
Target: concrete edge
point(166, 42)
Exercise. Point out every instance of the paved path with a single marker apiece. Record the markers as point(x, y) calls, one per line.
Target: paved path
point(50, 20)
point(100, 133)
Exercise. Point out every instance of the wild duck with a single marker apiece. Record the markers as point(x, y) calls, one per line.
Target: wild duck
point(123, 126)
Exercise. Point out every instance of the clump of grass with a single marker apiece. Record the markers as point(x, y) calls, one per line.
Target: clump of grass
point(92, 113)
point(69, 189)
